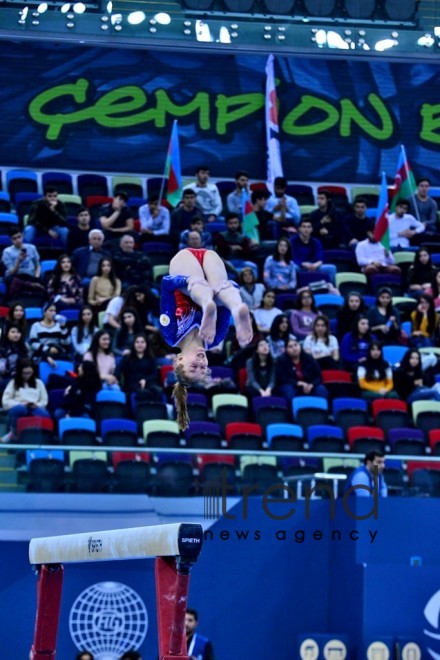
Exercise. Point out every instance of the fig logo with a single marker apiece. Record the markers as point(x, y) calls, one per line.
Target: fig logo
point(432, 615)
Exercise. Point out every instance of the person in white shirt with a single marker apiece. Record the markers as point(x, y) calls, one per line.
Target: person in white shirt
point(154, 219)
point(403, 226)
point(322, 345)
point(373, 258)
point(208, 196)
point(234, 200)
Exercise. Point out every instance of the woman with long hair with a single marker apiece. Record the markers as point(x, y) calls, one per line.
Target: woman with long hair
point(260, 371)
point(421, 273)
point(64, 287)
point(424, 322)
point(104, 286)
point(130, 327)
point(80, 397)
point(101, 355)
point(384, 318)
point(322, 345)
point(251, 291)
point(49, 338)
point(434, 289)
point(279, 269)
point(303, 317)
point(12, 349)
point(16, 316)
point(375, 376)
point(279, 335)
point(24, 396)
point(353, 306)
point(137, 371)
point(191, 320)
point(266, 313)
point(83, 333)
point(411, 382)
point(354, 345)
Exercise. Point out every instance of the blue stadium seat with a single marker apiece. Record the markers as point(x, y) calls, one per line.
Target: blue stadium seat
point(77, 431)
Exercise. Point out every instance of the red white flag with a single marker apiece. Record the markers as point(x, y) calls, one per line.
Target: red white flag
point(274, 165)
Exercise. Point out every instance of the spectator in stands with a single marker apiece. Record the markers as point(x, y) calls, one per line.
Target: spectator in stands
point(303, 317)
point(137, 371)
point(279, 269)
point(373, 258)
point(198, 647)
point(260, 372)
point(79, 235)
point(354, 345)
point(49, 338)
point(234, 200)
point(384, 318)
point(421, 273)
point(83, 332)
point(368, 475)
point(22, 265)
point(64, 288)
point(411, 382)
point(279, 335)
point(101, 355)
point(375, 376)
point(297, 373)
point(239, 355)
point(154, 218)
point(358, 225)
point(86, 260)
point(80, 397)
point(131, 266)
point(24, 396)
point(12, 349)
point(327, 225)
point(403, 226)
point(16, 316)
point(232, 243)
point(424, 208)
point(322, 345)
point(350, 310)
point(259, 199)
point(285, 211)
point(424, 322)
point(47, 218)
point(196, 225)
point(132, 655)
point(104, 286)
point(130, 327)
point(266, 313)
point(434, 289)
point(185, 214)
point(307, 251)
point(116, 218)
point(208, 196)
point(251, 291)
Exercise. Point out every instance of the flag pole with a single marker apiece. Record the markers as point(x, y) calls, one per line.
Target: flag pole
point(162, 185)
point(413, 195)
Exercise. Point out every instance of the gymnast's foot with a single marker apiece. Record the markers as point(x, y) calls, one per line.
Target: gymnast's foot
point(243, 325)
point(209, 320)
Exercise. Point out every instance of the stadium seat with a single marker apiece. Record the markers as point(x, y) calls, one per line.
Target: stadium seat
point(35, 430)
point(72, 203)
point(197, 405)
point(244, 435)
point(343, 260)
point(213, 473)
point(369, 193)
point(347, 282)
point(270, 410)
point(132, 185)
point(328, 304)
point(229, 406)
point(407, 441)
point(174, 479)
point(325, 438)
point(77, 431)
point(92, 185)
point(110, 404)
point(404, 306)
point(257, 478)
point(390, 414)
point(284, 437)
point(90, 476)
point(310, 410)
point(146, 410)
point(203, 435)
point(133, 477)
point(60, 180)
point(119, 432)
point(363, 439)
point(394, 354)
point(61, 369)
point(161, 433)
point(18, 181)
point(302, 193)
point(426, 416)
point(434, 441)
point(392, 282)
point(45, 475)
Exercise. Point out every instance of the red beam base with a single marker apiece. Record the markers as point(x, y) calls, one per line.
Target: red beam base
point(49, 587)
point(172, 582)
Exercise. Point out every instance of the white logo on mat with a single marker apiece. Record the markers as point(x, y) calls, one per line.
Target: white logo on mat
point(108, 619)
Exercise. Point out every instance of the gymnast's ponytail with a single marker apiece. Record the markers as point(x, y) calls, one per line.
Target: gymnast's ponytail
point(180, 396)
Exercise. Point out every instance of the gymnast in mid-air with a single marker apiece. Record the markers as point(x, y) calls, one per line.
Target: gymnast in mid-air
point(197, 301)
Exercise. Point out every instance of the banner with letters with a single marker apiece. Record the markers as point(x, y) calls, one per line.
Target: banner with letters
point(91, 109)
